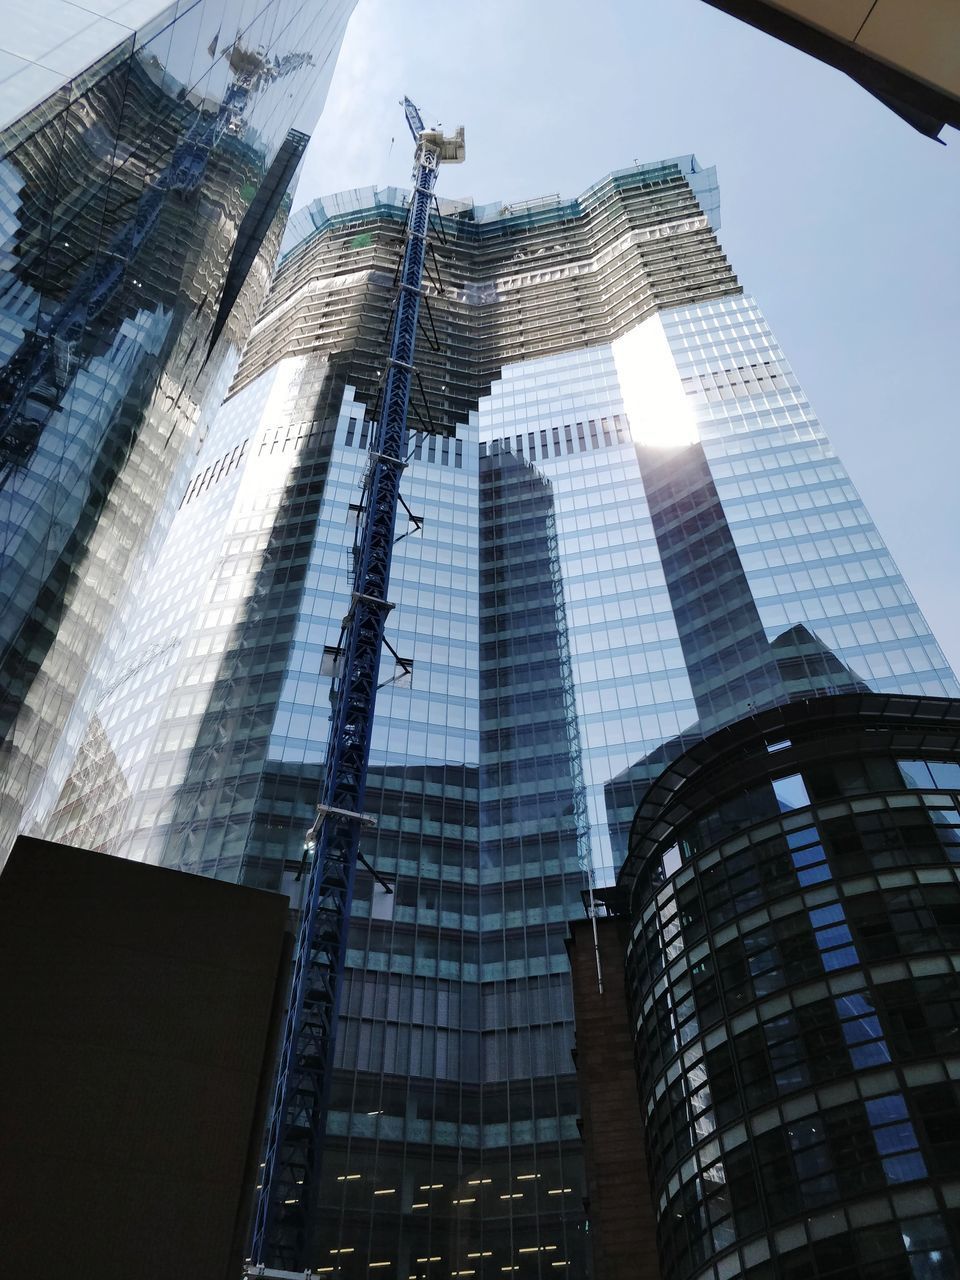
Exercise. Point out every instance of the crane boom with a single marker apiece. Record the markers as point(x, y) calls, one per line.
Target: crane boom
point(289, 1185)
point(414, 119)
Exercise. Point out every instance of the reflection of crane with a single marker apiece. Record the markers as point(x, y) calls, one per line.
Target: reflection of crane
point(289, 1189)
point(33, 381)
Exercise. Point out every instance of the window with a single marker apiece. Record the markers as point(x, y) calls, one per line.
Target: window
point(790, 792)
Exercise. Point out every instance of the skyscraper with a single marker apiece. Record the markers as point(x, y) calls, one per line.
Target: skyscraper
point(624, 528)
point(790, 927)
point(146, 153)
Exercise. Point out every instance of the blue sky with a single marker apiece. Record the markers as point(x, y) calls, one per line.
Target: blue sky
point(840, 219)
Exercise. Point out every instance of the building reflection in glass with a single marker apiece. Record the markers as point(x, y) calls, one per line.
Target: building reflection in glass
point(141, 206)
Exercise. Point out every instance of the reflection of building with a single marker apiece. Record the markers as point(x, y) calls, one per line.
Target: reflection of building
point(141, 204)
point(566, 605)
point(903, 51)
point(790, 914)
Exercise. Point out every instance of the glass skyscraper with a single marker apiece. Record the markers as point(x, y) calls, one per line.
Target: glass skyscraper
point(790, 932)
point(623, 528)
point(146, 152)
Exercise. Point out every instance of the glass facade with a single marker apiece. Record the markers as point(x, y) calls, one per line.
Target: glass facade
point(145, 159)
point(793, 977)
point(596, 398)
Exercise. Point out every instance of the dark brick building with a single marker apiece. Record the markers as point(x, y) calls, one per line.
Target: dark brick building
point(620, 1211)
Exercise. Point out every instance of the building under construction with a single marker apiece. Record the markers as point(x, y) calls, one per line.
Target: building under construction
point(567, 614)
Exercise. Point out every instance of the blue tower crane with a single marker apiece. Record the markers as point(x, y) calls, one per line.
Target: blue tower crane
point(289, 1183)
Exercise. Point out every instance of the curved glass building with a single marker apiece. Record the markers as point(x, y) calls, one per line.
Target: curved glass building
point(794, 903)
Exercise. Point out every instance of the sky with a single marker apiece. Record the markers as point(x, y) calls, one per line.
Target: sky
point(838, 217)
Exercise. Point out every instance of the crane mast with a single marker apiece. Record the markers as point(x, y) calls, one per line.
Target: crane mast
point(289, 1183)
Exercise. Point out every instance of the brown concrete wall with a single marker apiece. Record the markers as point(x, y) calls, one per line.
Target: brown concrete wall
point(622, 1223)
point(137, 1010)
point(920, 37)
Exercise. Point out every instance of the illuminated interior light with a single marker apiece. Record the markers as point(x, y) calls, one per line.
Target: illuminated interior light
point(349, 1177)
point(386, 1191)
point(294, 1201)
point(559, 1264)
point(530, 1248)
point(435, 1259)
point(323, 1271)
point(466, 1200)
point(487, 1253)
point(525, 1177)
point(657, 407)
point(512, 1195)
point(421, 1204)
point(374, 1113)
point(430, 1186)
point(559, 1191)
point(478, 1182)
point(463, 1273)
point(350, 1249)
point(378, 1264)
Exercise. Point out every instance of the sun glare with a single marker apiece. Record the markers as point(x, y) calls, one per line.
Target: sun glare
point(657, 408)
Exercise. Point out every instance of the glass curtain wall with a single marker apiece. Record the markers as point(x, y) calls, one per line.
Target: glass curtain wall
point(135, 199)
point(624, 528)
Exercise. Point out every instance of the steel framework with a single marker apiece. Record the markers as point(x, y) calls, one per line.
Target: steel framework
point(289, 1185)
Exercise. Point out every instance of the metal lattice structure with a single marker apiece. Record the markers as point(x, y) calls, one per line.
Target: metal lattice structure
point(289, 1185)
